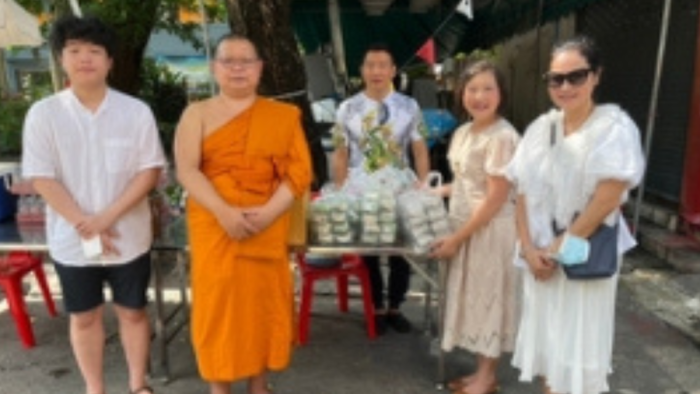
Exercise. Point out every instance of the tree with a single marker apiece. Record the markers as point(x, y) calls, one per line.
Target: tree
point(134, 21)
point(268, 24)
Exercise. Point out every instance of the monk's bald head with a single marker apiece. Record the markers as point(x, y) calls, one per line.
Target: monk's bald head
point(230, 38)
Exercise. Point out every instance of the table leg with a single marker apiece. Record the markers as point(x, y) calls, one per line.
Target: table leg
point(182, 268)
point(162, 369)
point(437, 282)
point(442, 284)
point(428, 310)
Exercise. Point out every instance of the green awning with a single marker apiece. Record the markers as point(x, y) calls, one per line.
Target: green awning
point(405, 32)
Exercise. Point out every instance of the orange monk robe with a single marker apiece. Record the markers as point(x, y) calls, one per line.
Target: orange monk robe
point(242, 295)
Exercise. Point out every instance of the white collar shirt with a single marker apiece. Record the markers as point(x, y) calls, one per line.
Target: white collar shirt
point(94, 155)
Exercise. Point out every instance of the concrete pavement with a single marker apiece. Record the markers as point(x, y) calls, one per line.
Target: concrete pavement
point(650, 356)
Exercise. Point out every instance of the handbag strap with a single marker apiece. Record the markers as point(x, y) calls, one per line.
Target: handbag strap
point(552, 134)
point(552, 141)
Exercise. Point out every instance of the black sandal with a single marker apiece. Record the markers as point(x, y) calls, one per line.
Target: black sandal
point(143, 390)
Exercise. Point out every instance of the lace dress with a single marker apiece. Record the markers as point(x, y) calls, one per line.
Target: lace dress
point(482, 283)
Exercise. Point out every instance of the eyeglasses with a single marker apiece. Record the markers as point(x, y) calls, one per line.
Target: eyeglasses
point(237, 63)
point(574, 78)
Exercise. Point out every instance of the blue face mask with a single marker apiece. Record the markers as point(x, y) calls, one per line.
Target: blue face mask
point(573, 250)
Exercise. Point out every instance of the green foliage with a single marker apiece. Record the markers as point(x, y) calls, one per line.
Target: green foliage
point(33, 6)
point(14, 109)
point(166, 93)
point(483, 54)
point(133, 25)
point(134, 21)
point(36, 86)
point(12, 113)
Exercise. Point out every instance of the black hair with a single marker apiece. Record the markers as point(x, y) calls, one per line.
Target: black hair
point(89, 29)
point(235, 37)
point(583, 45)
point(473, 69)
point(379, 47)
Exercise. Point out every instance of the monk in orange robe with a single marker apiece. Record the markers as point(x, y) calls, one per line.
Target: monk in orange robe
point(242, 159)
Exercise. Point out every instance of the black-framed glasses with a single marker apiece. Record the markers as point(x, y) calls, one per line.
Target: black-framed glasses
point(574, 78)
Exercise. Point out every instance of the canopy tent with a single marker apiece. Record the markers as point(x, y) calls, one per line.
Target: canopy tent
point(17, 28)
point(406, 31)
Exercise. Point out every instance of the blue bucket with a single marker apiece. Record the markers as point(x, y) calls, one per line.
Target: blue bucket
point(8, 203)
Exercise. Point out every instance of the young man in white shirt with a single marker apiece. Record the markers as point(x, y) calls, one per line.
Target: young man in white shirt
point(94, 154)
point(380, 105)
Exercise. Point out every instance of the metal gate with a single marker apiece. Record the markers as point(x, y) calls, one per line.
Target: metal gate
point(628, 34)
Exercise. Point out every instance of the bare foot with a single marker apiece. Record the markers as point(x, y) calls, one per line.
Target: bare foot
point(458, 383)
point(258, 385)
point(479, 386)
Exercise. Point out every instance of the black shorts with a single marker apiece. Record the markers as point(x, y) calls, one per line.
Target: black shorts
point(83, 290)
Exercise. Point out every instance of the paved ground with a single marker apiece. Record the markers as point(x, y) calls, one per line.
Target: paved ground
point(650, 357)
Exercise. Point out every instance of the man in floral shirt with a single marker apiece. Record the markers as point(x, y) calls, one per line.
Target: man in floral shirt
point(376, 128)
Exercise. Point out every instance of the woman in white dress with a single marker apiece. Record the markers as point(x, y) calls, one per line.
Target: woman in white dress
point(573, 169)
point(480, 314)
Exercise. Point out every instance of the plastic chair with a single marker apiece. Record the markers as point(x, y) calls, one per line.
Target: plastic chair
point(350, 264)
point(13, 268)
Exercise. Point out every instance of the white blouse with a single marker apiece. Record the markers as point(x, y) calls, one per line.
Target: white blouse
point(558, 174)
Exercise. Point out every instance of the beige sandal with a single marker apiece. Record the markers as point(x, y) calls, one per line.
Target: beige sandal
point(143, 390)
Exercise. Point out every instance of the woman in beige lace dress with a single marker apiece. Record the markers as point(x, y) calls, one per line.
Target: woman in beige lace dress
point(480, 313)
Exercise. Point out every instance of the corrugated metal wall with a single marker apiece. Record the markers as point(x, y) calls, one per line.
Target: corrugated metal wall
point(628, 33)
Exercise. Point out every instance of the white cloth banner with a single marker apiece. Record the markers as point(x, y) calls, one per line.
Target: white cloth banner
point(17, 26)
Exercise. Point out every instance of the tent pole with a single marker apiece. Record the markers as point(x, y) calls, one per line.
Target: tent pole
point(207, 42)
point(538, 44)
point(75, 7)
point(56, 78)
point(4, 83)
point(337, 40)
point(652, 108)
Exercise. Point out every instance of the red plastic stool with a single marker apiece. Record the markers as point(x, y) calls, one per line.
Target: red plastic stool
point(350, 264)
point(12, 269)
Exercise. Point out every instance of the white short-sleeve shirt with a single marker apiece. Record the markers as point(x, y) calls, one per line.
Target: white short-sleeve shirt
point(94, 155)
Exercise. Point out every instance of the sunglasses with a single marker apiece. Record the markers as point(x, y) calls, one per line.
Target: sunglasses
point(574, 78)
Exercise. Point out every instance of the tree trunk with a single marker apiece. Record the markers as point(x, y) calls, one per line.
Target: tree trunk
point(268, 24)
point(134, 32)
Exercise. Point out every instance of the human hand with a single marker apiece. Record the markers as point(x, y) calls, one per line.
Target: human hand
point(260, 217)
point(445, 248)
point(440, 191)
point(555, 245)
point(235, 223)
point(109, 247)
point(92, 225)
point(541, 265)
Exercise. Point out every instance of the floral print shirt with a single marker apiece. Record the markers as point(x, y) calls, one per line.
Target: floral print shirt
point(378, 133)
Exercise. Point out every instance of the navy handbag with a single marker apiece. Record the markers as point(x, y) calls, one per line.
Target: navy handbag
point(603, 258)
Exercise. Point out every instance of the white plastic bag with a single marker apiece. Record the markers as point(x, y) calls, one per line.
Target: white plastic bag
point(423, 216)
point(333, 218)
